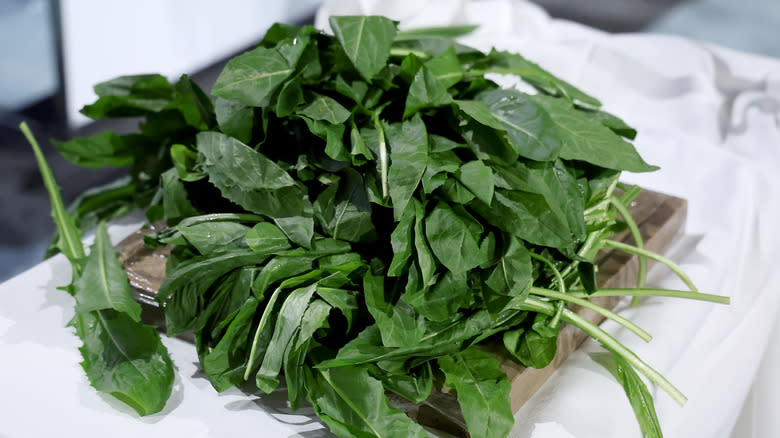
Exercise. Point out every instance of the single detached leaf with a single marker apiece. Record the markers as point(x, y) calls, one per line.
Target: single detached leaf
point(251, 78)
point(366, 41)
point(529, 128)
point(69, 240)
point(409, 151)
point(103, 283)
point(352, 403)
point(451, 240)
point(588, 140)
point(125, 359)
point(483, 392)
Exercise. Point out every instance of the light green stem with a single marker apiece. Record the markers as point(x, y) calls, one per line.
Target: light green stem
point(640, 244)
point(651, 255)
point(596, 308)
point(652, 292)
point(610, 343)
point(561, 287)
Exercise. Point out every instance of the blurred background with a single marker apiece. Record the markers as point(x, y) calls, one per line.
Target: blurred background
point(53, 52)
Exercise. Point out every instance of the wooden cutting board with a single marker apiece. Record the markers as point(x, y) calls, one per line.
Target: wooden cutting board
point(660, 218)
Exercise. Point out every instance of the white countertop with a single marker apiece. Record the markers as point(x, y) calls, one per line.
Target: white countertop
point(710, 117)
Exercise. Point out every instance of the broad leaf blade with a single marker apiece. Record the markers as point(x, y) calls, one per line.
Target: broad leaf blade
point(483, 392)
point(409, 151)
point(588, 140)
point(103, 283)
point(366, 41)
point(354, 404)
point(125, 359)
point(252, 77)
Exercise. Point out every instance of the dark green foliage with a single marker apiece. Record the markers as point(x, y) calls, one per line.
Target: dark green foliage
point(359, 212)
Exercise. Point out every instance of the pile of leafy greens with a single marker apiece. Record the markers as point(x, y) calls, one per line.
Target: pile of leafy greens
point(360, 214)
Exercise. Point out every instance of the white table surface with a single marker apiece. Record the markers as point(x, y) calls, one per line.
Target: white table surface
point(709, 117)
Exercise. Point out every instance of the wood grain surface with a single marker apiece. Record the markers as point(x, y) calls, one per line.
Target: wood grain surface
point(660, 218)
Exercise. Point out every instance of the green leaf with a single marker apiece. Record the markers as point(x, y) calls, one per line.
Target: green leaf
point(408, 158)
point(226, 362)
point(478, 178)
point(256, 183)
point(638, 395)
point(617, 125)
point(125, 359)
point(415, 385)
point(100, 150)
point(290, 96)
point(399, 325)
point(483, 392)
point(280, 268)
point(343, 210)
point(193, 104)
point(287, 325)
point(176, 203)
point(586, 140)
point(265, 237)
point(103, 283)
point(480, 112)
point(184, 287)
point(235, 119)
point(513, 63)
point(401, 241)
point(512, 274)
point(366, 41)
point(327, 109)
point(446, 67)
point(529, 129)
point(354, 404)
point(451, 240)
point(185, 160)
point(69, 241)
point(333, 135)
point(442, 301)
point(435, 32)
point(295, 368)
point(527, 216)
point(533, 348)
point(216, 237)
point(102, 203)
point(425, 260)
point(130, 96)
point(252, 77)
point(425, 92)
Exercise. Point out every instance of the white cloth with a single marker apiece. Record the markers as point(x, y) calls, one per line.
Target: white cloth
point(710, 118)
point(707, 116)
